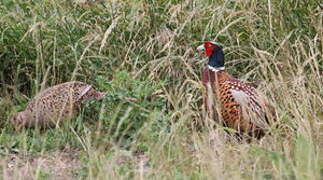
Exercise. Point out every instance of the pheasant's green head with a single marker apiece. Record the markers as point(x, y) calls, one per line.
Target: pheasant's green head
point(215, 53)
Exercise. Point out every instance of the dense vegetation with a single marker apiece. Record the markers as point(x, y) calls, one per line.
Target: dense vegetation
point(152, 123)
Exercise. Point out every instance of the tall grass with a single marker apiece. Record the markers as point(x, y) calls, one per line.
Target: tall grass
point(152, 124)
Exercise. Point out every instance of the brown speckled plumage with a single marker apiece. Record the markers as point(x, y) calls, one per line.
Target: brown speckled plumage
point(55, 104)
point(251, 117)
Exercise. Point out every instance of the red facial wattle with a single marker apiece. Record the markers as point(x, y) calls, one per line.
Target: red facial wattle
point(209, 51)
point(209, 48)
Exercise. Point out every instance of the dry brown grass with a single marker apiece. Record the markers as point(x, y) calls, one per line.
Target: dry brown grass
point(145, 54)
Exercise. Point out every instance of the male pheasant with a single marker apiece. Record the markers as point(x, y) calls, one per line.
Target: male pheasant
point(242, 107)
point(55, 104)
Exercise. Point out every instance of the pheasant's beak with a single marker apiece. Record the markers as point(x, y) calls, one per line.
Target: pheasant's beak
point(201, 48)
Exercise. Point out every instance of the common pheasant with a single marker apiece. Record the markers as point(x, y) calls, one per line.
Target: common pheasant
point(242, 107)
point(55, 104)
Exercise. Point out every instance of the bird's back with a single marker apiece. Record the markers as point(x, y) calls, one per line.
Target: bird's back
point(59, 102)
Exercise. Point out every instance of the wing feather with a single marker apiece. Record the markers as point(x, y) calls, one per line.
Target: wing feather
point(255, 107)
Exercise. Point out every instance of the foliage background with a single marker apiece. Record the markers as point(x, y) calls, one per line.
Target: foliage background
point(143, 53)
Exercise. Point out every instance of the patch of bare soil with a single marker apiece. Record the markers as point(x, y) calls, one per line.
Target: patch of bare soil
point(56, 165)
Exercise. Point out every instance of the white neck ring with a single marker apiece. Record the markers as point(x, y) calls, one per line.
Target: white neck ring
point(216, 69)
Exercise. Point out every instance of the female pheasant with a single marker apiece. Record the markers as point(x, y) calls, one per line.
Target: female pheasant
point(242, 107)
point(55, 104)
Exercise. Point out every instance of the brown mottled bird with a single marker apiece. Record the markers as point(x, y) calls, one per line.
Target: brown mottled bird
point(55, 104)
point(242, 107)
